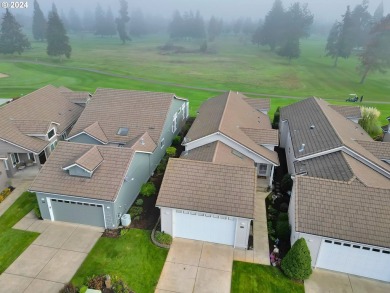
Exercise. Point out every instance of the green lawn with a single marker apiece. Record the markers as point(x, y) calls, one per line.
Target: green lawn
point(131, 257)
point(14, 242)
point(248, 277)
point(236, 65)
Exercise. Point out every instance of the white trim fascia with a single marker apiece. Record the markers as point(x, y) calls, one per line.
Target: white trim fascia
point(72, 196)
point(178, 98)
point(203, 137)
point(312, 156)
point(86, 133)
point(143, 152)
point(30, 151)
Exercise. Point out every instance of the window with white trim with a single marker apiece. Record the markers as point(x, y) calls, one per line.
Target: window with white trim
point(53, 146)
point(31, 157)
point(6, 164)
point(15, 159)
point(183, 107)
point(51, 133)
point(174, 123)
point(162, 142)
point(64, 136)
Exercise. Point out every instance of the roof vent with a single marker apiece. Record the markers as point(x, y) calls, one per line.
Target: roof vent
point(302, 148)
point(312, 126)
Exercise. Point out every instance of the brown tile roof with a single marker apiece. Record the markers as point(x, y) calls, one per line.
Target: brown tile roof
point(379, 149)
point(331, 166)
point(218, 152)
point(230, 114)
point(90, 160)
point(331, 130)
point(139, 111)
point(97, 132)
point(349, 211)
point(263, 136)
point(258, 104)
point(143, 143)
point(32, 126)
point(348, 111)
point(209, 187)
point(46, 105)
point(77, 97)
point(104, 183)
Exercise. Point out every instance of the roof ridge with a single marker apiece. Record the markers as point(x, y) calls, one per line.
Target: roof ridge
point(224, 109)
point(212, 163)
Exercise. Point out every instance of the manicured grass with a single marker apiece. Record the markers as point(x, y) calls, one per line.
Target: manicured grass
point(14, 242)
point(248, 277)
point(131, 257)
point(238, 66)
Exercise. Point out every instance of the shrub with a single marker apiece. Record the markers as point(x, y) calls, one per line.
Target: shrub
point(297, 262)
point(69, 288)
point(283, 230)
point(272, 211)
point(137, 218)
point(275, 122)
point(139, 202)
point(271, 230)
point(162, 166)
point(148, 189)
point(171, 151)
point(283, 217)
point(135, 211)
point(176, 140)
point(286, 183)
point(163, 237)
point(83, 289)
point(5, 193)
point(37, 212)
point(283, 207)
point(96, 282)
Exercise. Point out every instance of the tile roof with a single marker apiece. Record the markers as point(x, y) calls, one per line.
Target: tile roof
point(77, 97)
point(143, 143)
point(265, 136)
point(349, 211)
point(209, 187)
point(96, 131)
point(379, 149)
point(331, 166)
point(105, 181)
point(90, 160)
point(138, 111)
point(41, 107)
point(331, 130)
point(35, 127)
point(258, 104)
point(218, 152)
point(348, 111)
point(230, 114)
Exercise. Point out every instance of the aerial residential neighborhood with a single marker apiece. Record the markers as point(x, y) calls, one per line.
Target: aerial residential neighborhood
point(194, 147)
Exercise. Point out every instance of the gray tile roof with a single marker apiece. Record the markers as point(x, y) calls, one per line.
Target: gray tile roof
point(332, 166)
point(231, 115)
point(105, 181)
point(138, 111)
point(34, 112)
point(379, 149)
point(209, 187)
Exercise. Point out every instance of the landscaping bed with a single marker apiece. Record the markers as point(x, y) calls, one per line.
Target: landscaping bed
point(5, 193)
point(248, 277)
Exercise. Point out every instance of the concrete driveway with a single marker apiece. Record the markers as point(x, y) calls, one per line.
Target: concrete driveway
point(324, 281)
point(196, 266)
point(52, 259)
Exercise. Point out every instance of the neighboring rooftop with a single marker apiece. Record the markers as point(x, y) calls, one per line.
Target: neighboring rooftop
point(231, 115)
point(348, 111)
point(258, 104)
point(379, 149)
point(33, 114)
point(209, 187)
point(113, 109)
point(112, 162)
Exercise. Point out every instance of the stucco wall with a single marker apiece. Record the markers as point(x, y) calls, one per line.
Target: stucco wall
point(77, 171)
point(83, 138)
point(3, 176)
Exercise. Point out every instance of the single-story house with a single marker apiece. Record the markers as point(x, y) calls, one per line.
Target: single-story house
point(32, 125)
point(112, 150)
point(239, 123)
point(340, 201)
point(208, 201)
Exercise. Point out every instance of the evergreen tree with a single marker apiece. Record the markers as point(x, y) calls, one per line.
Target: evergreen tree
point(122, 20)
point(39, 23)
point(361, 24)
point(213, 29)
point(176, 26)
point(297, 262)
point(376, 55)
point(12, 39)
point(379, 13)
point(100, 21)
point(110, 29)
point(54, 8)
point(74, 21)
point(274, 25)
point(137, 24)
point(331, 48)
point(290, 49)
point(57, 40)
point(64, 20)
point(88, 21)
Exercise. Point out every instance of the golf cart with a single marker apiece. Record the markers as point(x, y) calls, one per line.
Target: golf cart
point(352, 98)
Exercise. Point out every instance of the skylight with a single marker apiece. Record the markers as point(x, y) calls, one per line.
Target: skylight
point(123, 131)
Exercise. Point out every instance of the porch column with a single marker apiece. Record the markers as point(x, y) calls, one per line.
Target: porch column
point(271, 176)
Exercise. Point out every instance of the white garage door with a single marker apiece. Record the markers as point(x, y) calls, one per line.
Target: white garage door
point(355, 259)
point(204, 227)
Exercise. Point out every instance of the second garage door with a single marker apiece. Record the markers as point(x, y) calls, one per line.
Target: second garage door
point(77, 212)
point(204, 227)
point(355, 259)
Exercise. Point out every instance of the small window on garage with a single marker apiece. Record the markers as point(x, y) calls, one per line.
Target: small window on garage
point(86, 204)
point(385, 251)
point(328, 241)
point(80, 203)
point(347, 244)
point(179, 211)
point(92, 205)
point(193, 213)
point(207, 215)
point(60, 200)
point(216, 216)
point(185, 212)
point(66, 201)
point(53, 199)
point(201, 214)
point(356, 246)
point(366, 248)
point(337, 243)
point(376, 250)
point(223, 217)
point(72, 202)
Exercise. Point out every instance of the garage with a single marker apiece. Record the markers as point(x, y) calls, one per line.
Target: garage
point(204, 226)
point(76, 212)
point(355, 259)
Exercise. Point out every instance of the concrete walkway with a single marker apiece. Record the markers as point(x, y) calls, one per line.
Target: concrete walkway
point(52, 259)
point(260, 252)
point(196, 267)
point(324, 281)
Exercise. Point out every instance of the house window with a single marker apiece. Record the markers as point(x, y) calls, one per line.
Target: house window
point(162, 143)
point(15, 159)
point(262, 169)
point(64, 136)
point(53, 146)
point(51, 133)
point(6, 165)
point(123, 131)
point(31, 157)
point(174, 123)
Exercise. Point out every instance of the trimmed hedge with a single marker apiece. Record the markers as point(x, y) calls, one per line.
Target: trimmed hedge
point(297, 262)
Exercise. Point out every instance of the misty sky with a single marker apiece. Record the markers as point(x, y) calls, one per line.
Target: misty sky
point(323, 10)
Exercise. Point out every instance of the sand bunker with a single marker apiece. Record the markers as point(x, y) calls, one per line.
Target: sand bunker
point(3, 75)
